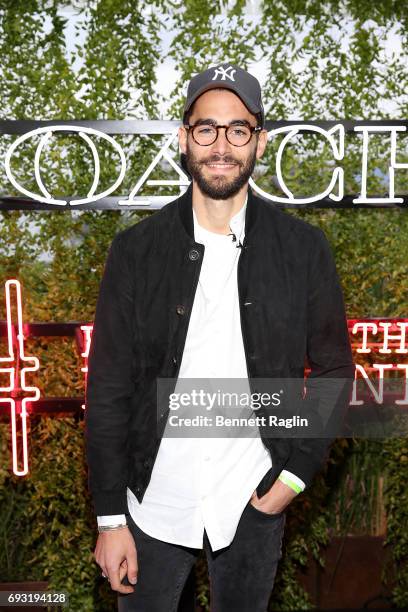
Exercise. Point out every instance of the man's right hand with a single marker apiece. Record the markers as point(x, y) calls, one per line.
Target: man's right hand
point(116, 554)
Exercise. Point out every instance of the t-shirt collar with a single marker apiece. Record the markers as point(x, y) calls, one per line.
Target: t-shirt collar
point(237, 224)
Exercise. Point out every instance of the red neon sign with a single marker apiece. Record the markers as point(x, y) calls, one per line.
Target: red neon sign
point(20, 394)
point(393, 333)
point(86, 343)
point(373, 340)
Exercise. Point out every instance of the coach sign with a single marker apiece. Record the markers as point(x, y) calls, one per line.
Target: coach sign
point(330, 133)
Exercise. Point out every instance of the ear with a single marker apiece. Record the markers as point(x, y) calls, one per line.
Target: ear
point(262, 142)
point(182, 137)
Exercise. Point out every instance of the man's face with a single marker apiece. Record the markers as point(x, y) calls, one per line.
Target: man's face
point(221, 169)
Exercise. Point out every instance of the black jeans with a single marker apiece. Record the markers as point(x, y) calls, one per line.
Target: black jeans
point(241, 574)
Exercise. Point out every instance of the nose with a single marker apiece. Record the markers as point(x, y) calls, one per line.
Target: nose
point(221, 145)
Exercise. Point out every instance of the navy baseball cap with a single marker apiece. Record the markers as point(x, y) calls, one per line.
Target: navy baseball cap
point(228, 76)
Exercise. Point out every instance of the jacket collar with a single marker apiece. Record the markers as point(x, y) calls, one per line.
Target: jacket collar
point(185, 209)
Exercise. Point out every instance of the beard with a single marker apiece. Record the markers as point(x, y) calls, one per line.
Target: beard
point(220, 187)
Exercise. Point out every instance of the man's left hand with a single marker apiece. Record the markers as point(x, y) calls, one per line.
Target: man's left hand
point(275, 500)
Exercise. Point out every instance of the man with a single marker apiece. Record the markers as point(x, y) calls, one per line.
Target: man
point(217, 284)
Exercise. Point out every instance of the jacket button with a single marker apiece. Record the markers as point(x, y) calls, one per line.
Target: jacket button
point(194, 254)
point(180, 309)
point(146, 463)
point(174, 360)
point(138, 489)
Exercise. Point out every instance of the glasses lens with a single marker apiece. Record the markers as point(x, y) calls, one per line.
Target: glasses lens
point(238, 135)
point(204, 134)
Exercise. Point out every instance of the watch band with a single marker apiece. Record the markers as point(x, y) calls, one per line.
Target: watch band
point(102, 528)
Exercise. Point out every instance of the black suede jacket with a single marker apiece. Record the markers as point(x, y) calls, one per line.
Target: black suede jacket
point(292, 310)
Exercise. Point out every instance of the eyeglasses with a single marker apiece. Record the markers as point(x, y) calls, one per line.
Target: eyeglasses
point(237, 135)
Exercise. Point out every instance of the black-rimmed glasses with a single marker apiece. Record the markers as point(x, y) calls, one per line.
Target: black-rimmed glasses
point(237, 135)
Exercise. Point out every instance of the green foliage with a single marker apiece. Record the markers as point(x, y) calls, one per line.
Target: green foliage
point(396, 502)
point(324, 60)
point(47, 528)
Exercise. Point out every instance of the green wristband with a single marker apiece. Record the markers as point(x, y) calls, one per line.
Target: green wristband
point(290, 483)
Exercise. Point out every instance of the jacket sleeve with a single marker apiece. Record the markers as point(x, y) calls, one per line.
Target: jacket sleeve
point(110, 385)
point(329, 384)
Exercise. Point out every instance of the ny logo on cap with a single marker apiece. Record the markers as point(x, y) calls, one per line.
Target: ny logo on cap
point(224, 73)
